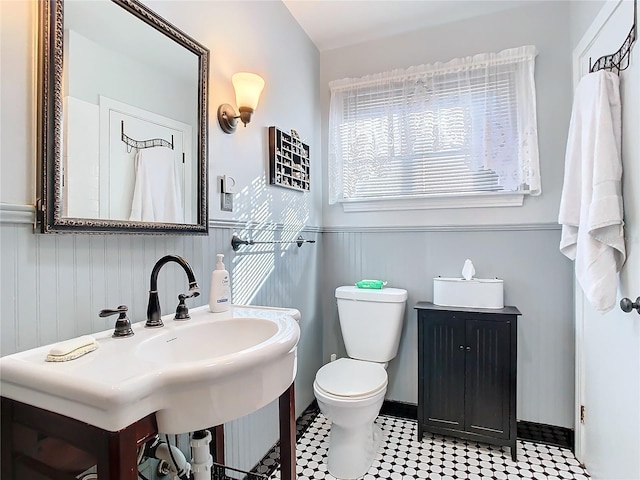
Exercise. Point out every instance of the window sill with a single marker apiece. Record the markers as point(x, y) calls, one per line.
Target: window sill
point(433, 202)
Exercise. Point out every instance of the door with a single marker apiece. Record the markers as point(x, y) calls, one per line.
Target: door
point(608, 346)
point(488, 377)
point(122, 161)
point(444, 361)
point(117, 159)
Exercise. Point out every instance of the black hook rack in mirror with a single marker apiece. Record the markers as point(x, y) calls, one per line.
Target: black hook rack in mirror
point(237, 242)
point(154, 142)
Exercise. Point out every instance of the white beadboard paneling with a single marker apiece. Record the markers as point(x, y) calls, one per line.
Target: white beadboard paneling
point(66, 284)
point(9, 258)
point(113, 294)
point(126, 269)
point(25, 274)
point(83, 303)
point(46, 294)
point(45, 300)
point(53, 286)
point(139, 277)
point(537, 280)
point(97, 267)
point(250, 437)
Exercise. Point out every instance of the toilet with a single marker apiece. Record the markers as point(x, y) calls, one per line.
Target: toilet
point(350, 391)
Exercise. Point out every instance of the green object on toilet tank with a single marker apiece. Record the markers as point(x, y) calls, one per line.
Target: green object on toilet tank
point(372, 284)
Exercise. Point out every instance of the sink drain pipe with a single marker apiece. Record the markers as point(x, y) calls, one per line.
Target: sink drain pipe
point(172, 456)
point(202, 460)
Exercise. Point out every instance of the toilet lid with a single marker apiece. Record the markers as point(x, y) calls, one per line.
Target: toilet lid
point(351, 378)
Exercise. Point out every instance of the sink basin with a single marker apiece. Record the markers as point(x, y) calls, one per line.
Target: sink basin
point(193, 374)
point(196, 342)
point(473, 293)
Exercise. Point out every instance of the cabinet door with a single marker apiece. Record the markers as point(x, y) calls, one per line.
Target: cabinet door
point(443, 364)
point(488, 387)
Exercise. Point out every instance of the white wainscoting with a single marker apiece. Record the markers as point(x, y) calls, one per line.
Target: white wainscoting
point(537, 279)
point(53, 286)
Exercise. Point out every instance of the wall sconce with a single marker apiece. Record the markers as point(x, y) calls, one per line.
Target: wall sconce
point(248, 87)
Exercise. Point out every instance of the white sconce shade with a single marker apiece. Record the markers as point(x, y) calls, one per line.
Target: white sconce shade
point(248, 87)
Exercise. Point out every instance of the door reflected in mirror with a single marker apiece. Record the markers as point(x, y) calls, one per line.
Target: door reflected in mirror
point(124, 122)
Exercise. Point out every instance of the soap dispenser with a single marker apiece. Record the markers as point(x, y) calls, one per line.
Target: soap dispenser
point(220, 294)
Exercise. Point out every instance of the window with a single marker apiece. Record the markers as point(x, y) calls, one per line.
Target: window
point(467, 127)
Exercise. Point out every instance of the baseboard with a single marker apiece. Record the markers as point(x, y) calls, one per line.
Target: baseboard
point(531, 431)
point(393, 408)
point(547, 434)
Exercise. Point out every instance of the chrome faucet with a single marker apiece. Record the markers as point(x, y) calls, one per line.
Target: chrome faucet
point(153, 310)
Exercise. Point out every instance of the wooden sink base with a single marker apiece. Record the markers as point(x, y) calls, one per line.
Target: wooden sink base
point(114, 453)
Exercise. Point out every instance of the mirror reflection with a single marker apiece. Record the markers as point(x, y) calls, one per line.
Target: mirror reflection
point(131, 129)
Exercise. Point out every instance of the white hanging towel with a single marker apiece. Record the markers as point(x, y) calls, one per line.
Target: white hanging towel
point(156, 195)
point(591, 210)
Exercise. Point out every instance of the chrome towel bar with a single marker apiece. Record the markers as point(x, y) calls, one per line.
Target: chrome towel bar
point(236, 241)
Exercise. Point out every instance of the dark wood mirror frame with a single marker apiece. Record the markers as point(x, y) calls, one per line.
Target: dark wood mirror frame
point(49, 204)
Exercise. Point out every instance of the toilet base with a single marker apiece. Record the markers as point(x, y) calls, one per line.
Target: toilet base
point(351, 451)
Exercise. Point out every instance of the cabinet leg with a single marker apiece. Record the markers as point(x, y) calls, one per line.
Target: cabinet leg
point(115, 452)
point(218, 435)
point(288, 434)
point(514, 451)
point(6, 467)
point(118, 461)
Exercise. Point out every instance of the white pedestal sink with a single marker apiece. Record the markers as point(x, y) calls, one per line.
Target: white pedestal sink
point(192, 373)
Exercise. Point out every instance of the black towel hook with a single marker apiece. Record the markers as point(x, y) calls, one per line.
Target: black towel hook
point(132, 143)
point(619, 60)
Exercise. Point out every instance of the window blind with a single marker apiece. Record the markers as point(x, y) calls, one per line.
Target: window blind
point(435, 130)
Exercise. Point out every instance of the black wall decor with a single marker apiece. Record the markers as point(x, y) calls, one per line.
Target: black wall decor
point(288, 160)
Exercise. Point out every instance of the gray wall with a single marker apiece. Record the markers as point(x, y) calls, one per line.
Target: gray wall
point(581, 15)
point(260, 37)
point(545, 25)
point(254, 36)
point(166, 95)
point(517, 244)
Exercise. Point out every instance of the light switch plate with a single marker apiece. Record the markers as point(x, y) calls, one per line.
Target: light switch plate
point(229, 184)
point(226, 202)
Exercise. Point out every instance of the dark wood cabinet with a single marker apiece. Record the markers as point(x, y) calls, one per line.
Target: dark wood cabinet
point(467, 373)
point(76, 445)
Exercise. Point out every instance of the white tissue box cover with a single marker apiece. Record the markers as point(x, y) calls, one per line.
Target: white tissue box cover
point(475, 293)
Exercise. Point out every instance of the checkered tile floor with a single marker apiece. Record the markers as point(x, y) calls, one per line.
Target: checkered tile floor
point(402, 457)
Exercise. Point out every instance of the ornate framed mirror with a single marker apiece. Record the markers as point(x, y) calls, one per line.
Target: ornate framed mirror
point(123, 110)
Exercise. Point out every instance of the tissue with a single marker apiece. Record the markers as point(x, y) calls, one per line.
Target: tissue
point(468, 271)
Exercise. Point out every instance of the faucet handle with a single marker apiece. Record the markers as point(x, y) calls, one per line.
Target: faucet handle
point(123, 325)
point(112, 311)
point(182, 312)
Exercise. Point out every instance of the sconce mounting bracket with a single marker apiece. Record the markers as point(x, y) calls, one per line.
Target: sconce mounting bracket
point(227, 118)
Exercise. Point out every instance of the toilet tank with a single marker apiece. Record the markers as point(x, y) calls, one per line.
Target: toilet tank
point(371, 321)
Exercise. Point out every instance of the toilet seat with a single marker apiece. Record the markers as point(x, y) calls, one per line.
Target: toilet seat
point(351, 379)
